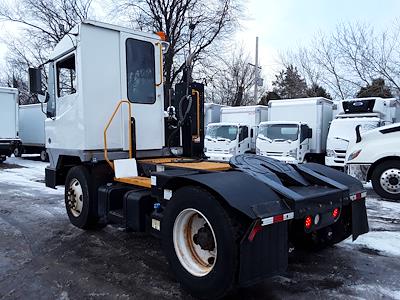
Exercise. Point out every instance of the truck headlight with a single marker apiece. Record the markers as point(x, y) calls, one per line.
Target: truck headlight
point(330, 152)
point(354, 154)
point(293, 153)
point(232, 151)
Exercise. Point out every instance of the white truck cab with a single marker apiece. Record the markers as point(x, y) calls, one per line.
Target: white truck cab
point(235, 134)
point(296, 130)
point(224, 140)
point(370, 113)
point(375, 156)
point(285, 141)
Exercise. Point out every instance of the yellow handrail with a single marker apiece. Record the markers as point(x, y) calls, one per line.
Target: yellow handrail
point(129, 128)
point(161, 65)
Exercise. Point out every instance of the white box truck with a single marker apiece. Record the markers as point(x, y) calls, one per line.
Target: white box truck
point(8, 122)
point(375, 156)
point(236, 133)
point(370, 113)
point(31, 130)
point(212, 113)
point(296, 130)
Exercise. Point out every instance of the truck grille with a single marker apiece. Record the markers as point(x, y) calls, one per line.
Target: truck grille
point(340, 156)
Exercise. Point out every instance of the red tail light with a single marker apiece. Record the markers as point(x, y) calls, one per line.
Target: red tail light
point(335, 213)
point(308, 222)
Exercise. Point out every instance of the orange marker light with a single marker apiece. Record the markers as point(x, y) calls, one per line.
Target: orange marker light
point(162, 35)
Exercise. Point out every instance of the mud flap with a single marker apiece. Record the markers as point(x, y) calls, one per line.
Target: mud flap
point(359, 218)
point(265, 256)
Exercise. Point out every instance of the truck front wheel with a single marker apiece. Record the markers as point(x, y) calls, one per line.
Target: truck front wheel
point(78, 201)
point(386, 179)
point(200, 243)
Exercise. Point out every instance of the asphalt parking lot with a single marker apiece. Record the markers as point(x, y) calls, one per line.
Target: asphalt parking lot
point(42, 256)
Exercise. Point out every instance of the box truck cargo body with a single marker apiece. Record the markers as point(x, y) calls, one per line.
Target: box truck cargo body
point(8, 121)
point(212, 113)
point(370, 113)
point(31, 130)
point(296, 130)
point(236, 133)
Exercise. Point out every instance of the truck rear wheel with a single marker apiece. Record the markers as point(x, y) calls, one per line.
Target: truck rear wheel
point(78, 199)
point(199, 242)
point(386, 179)
point(17, 152)
point(44, 156)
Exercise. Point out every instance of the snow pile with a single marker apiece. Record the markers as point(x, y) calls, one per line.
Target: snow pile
point(386, 242)
point(29, 175)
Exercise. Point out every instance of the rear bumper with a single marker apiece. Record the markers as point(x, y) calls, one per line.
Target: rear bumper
point(7, 146)
point(358, 171)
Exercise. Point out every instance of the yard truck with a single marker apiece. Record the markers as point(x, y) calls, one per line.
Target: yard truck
point(235, 134)
point(31, 131)
point(222, 225)
point(375, 156)
point(369, 113)
point(9, 139)
point(296, 130)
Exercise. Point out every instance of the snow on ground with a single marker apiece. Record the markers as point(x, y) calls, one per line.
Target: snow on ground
point(27, 173)
point(386, 242)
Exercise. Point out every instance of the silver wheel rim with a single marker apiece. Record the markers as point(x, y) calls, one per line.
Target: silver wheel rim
point(75, 198)
point(194, 242)
point(390, 181)
point(43, 155)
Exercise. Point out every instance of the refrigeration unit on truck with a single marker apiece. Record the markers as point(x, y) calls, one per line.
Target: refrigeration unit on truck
point(212, 113)
point(235, 134)
point(369, 113)
point(375, 156)
point(31, 130)
point(8, 122)
point(296, 130)
point(222, 225)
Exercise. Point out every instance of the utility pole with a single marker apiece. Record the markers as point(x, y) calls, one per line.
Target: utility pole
point(256, 75)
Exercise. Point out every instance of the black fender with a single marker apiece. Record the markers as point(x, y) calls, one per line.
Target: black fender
point(238, 190)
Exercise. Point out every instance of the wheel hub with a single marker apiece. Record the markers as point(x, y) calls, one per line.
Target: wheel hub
point(390, 181)
point(75, 198)
point(194, 242)
point(204, 238)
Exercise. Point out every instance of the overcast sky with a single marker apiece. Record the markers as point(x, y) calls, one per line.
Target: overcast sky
point(286, 24)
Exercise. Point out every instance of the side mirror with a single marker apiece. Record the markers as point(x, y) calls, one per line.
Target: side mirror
point(35, 81)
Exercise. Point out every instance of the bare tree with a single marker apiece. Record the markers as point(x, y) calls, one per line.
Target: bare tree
point(190, 25)
point(44, 23)
point(232, 83)
point(350, 58)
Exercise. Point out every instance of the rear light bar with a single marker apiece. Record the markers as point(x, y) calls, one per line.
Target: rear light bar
point(268, 221)
point(277, 219)
point(358, 196)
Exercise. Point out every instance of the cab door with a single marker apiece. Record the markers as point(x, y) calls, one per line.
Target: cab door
point(141, 84)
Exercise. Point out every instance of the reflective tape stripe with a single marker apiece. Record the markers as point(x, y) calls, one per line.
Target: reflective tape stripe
point(277, 219)
point(358, 196)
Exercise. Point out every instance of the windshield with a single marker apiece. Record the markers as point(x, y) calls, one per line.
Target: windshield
point(222, 132)
point(345, 128)
point(276, 132)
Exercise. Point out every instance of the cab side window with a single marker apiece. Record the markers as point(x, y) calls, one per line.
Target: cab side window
point(243, 133)
point(66, 76)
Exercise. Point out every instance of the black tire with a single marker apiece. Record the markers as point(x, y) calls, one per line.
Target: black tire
point(44, 157)
point(376, 178)
point(88, 217)
point(221, 279)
